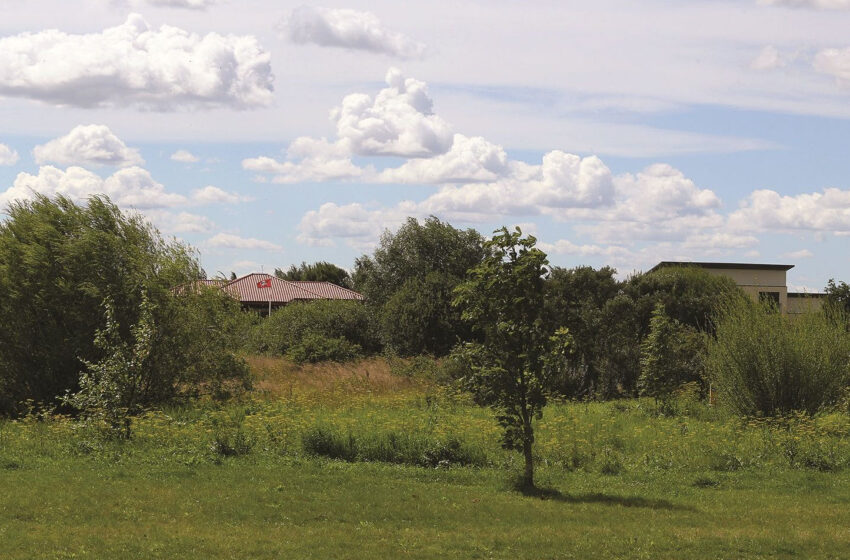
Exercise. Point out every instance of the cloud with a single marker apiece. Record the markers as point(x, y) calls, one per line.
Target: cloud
point(215, 195)
point(130, 187)
point(179, 222)
point(133, 65)
point(188, 4)
point(230, 241)
point(347, 29)
point(769, 58)
point(309, 160)
point(87, 145)
point(8, 156)
point(835, 62)
point(567, 247)
point(814, 4)
point(184, 156)
point(801, 254)
point(468, 160)
point(767, 210)
point(400, 121)
point(358, 225)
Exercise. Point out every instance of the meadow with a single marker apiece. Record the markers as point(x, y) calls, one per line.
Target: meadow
point(378, 460)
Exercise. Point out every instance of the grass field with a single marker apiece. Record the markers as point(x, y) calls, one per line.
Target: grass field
point(424, 477)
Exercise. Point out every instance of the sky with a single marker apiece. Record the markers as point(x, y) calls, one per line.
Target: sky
point(618, 133)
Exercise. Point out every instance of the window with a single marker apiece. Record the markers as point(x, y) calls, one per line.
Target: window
point(771, 298)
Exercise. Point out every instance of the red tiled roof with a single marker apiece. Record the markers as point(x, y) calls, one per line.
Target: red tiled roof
point(281, 291)
point(328, 290)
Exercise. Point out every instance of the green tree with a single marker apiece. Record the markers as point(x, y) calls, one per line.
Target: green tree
point(59, 261)
point(502, 299)
point(111, 389)
point(576, 299)
point(408, 283)
point(317, 272)
point(670, 356)
point(838, 295)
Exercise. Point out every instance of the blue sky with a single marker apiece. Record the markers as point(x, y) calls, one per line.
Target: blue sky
point(270, 133)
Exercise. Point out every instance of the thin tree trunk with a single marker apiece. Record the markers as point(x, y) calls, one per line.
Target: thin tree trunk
point(527, 442)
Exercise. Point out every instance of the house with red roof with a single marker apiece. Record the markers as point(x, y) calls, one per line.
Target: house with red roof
point(264, 292)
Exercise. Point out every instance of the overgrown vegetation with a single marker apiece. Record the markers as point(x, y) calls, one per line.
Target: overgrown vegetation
point(766, 363)
point(59, 262)
point(336, 330)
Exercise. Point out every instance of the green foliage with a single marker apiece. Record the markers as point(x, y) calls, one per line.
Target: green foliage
point(313, 331)
point(409, 282)
point(768, 363)
point(391, 447)
point(419, 318)
point(503, 300)
point(670, 356)
point(838, 295)
point(58, 262)
point(576, 299)
point(317, 272)
point(314, 348)
point(112, 389)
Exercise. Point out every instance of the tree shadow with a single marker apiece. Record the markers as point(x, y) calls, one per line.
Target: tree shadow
point(600, 498)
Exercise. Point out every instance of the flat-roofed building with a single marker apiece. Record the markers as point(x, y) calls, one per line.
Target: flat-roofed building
point(760, 281)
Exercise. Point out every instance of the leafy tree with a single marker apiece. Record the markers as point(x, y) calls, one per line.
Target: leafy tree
point(111, 389)
point(317, 272)
point(670, 356)
point(59, 262)
point(409, 280)
point(576, 299)
point(503, 300)
point(838, 295)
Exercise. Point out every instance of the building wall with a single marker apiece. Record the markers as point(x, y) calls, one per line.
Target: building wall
point(803, 303)
point(755, 281)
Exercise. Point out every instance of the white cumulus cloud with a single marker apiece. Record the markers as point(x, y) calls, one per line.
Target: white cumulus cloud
point(469, 160)
point(834, 62)
point(129, 187)
point(8, 156)
point(214, 195)
point(184, 156)
point(400, 121)
point(348, 29)
point(91, 144)
point(767, 210)
point(769, 58)
point(309, 160)
point(231, 241)
point(134, 65)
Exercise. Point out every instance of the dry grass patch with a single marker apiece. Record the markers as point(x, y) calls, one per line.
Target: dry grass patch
point(277, 377)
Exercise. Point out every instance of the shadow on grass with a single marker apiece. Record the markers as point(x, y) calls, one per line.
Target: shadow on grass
point(600, 498)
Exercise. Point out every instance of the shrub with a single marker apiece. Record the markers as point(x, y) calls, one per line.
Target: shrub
point(59, 261)
point(392, 447)
point(670, 356)
point(766, 363)
point(315, 348)
point(308, 331)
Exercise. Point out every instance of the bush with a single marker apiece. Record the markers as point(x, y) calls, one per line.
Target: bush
point(317, 330)
point(315, 348)
point(391, 447)
point(59, 263)
point(671, 355)
point(766, 363)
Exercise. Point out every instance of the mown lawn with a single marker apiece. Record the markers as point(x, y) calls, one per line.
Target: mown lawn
point(248, 479)
point(325, 509)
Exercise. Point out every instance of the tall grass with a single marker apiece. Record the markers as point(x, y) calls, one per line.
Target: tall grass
point(764, 363)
